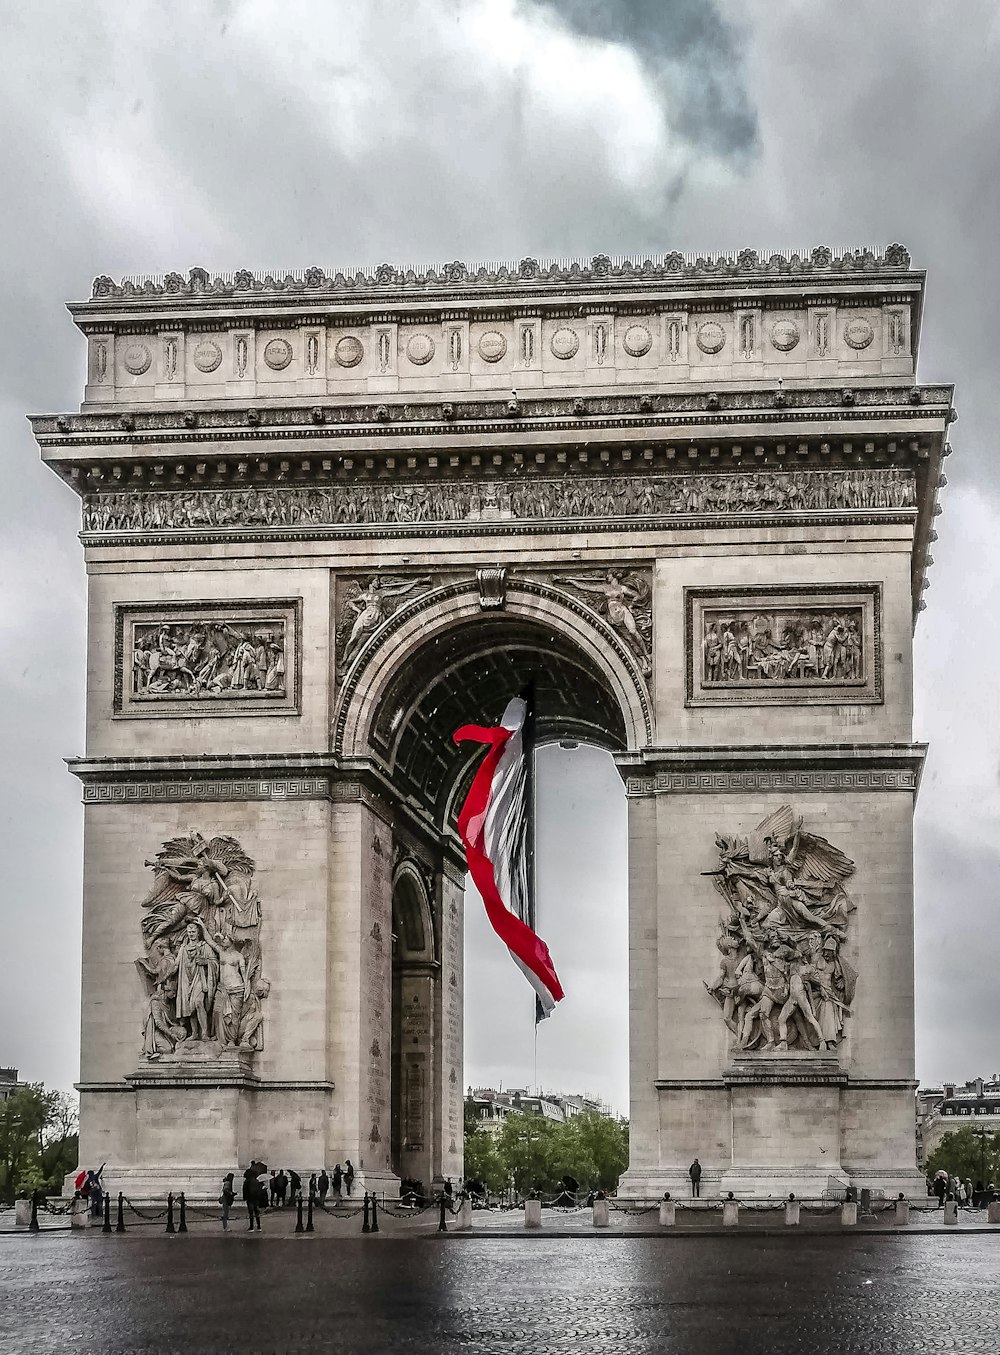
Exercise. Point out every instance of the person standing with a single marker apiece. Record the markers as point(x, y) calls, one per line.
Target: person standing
point(273, 1184)
point(313, 1187)
point(282, 1183)
point(295, 1184)
point(348, 1175)
point(251, 1197)
point(338, 1181)
point(694, 1171)
point(226, 1199)
point(324, 1186)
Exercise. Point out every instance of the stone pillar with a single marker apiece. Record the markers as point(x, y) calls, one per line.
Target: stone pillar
point(532, 1213)
point(951, 1213)
point(902, 1212)
point(849, 1213)
point(730, 1213)
point(464, 1224)
point(791, 1213)
point(993, 1212)
point(449, 1098)
point(668, 1213)
point(600, 1217)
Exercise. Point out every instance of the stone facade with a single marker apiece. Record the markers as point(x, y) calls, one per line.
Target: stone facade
point(693, 499)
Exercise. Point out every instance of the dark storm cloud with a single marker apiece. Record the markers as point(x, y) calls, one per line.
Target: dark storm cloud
point(692, 55)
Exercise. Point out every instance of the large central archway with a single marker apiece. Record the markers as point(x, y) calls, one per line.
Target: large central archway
point(442, 661)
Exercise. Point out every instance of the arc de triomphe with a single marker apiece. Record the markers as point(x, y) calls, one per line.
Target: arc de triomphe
point(329, 518)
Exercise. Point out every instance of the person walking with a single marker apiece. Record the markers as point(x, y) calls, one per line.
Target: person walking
point(294, 1184)
point(324, 1186)
point(694, 1171)
point(252, 1190)
point(348, 1175)
point(226, 1199)
point(338, 1181)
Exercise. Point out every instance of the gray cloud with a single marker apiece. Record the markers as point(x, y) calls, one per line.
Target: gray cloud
point(691, 53)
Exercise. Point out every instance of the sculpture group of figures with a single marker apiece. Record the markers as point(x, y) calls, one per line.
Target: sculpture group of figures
point(208, 658)
point(783, 982)
point(202, 960)
point(389, 502)
point(783, 647)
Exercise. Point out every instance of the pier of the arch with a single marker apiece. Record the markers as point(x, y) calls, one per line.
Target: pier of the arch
point(321, 532)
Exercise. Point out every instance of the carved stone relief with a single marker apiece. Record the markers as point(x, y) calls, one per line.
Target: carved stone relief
point(136, 359)
point(624, 598)
point(194, 658)
point(201, 961)
point(207, 356)
point(784, 644)
point(278, 354)
point(783, 982)
point(574, 496)
point(366, 603)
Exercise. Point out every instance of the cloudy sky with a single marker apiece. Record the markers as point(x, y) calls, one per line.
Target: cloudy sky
point(143, 137)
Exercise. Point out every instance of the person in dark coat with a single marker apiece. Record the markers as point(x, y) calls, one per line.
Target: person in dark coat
point(323, 1185)
point(313, 1188)
point(295, 1184)
point(282, 1184)
point(273, 1185)
point(338, 1181)
point(252, 1190)
point(694, 1171)
point(226, 1199)
point(348, 1174)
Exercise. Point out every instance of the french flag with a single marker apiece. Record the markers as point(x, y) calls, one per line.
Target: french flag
point(495, 827)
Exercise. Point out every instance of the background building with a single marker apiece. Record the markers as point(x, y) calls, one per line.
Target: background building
point(8, 1082)
point(941, 1110)
point(492, 1107)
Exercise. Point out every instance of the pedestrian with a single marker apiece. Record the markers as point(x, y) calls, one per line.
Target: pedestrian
point(324, 1186)
point(251, 1196)
point(295, 1184)
point(970, 1198)
point(348, 1174)
point(282, 1189)
point(273, 1184)
point(694, 1171)
point(313, 1187)
point(941, 1188)
point(96, 1193)
point(338, 1181)
point(226, 1199)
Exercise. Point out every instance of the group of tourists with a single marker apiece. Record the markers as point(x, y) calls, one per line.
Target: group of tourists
point(263, 1192)
point(964, 1193)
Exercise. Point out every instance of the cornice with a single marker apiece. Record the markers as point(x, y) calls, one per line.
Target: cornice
point(455, 281)
point(778, 768)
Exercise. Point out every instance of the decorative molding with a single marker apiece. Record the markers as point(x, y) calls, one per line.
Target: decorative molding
point(492, 581)
point(537, 499)
point(192, 790)
point(788, 644)
point(785, 781)
point(528, 275)
point(207, 658)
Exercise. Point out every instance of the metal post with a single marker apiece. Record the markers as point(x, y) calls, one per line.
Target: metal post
point(443, 1224)
point(366, 1227)
point(33, 1226)
point(374, 1213)
point(309, 1215)
point(107, 1214)
point(121, 1213)
point(183, 1225)
point(170, 1212)
point(298, 1214)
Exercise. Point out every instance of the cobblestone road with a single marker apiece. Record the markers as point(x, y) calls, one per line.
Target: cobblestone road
point(889, 1295)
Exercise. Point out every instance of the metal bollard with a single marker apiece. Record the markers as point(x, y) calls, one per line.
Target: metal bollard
point(33, 1226)
point(107, 1214)
point(366, 1226)
point(374, 1213)
point(309, 1215)
point(120, 1227)
point(170, 1213)
point(298, 1213)
point(182, 1227)
point(443, 1222)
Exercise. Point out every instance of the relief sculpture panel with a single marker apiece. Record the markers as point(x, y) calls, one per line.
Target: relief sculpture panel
point(783, 981)
point(199, 658)
point(769, 645)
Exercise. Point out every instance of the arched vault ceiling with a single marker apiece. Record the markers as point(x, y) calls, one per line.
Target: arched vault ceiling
point(467, 676)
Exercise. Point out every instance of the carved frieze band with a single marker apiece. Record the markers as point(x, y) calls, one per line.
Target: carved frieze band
point(784, 645)
point(716, 782)
point(206, 658)
point(394, 504)
point(171, 792)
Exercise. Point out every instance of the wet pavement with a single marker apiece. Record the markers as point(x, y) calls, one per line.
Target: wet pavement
point(204, 1294)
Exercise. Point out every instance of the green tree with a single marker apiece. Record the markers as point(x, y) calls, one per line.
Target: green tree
point(599, 1147)
point(24, 1116)
point(964, 1154)
point(483, 1162)
point(60, 1142)
point(526, 1148)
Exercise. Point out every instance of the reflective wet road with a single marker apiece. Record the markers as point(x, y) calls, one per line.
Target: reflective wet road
point(889, 1295)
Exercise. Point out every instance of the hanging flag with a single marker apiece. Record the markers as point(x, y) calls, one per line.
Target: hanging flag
point(495, 826)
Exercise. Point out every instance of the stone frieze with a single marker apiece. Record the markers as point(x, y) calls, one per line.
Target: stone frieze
point(401, 504)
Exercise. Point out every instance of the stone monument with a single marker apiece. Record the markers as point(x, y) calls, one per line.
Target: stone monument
point(329, 517)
